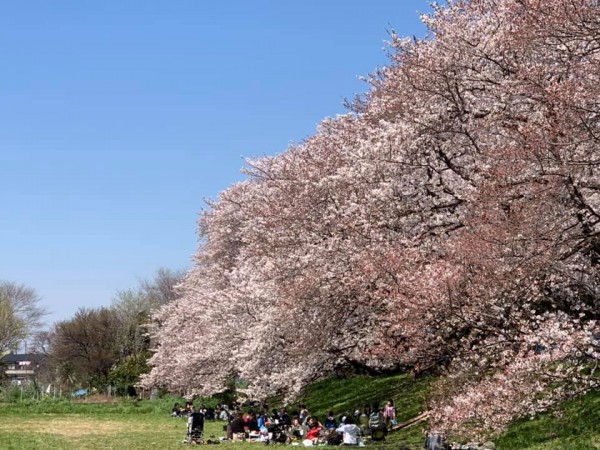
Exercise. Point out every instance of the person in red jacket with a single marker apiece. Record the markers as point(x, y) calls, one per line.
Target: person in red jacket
point(314, 429)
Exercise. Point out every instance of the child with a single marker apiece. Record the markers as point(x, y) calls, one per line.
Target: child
point(389, 414)
point(330, 422)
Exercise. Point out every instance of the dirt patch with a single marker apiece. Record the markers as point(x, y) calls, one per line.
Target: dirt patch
point(71, 427)
point(97, 398)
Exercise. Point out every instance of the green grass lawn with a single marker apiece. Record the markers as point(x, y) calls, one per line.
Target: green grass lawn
point(148, 425)
point(345, 395)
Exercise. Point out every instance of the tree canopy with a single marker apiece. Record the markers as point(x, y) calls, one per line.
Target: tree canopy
point(107, 345)
point(20, 314)
point(449, 222)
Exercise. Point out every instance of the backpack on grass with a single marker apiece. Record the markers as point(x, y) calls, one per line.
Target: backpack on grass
point(377, 426)
point(376, 421)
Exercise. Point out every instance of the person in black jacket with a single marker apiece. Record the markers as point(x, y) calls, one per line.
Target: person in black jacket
point(236, 426)
point(251, 421)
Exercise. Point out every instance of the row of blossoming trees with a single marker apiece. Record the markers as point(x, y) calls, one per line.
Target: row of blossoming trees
point(450, 222)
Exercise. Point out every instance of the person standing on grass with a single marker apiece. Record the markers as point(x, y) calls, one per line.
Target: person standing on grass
point(188, 409)
point(303, 414)
point(389, 414)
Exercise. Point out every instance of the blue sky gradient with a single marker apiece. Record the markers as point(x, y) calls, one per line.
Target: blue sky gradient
point(119, 118)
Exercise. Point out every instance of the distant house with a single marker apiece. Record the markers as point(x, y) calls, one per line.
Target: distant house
point(21, 369)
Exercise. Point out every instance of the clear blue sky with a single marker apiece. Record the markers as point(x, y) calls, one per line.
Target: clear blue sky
point(118, 118)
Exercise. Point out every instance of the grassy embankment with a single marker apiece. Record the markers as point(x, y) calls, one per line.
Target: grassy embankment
point(147, 425)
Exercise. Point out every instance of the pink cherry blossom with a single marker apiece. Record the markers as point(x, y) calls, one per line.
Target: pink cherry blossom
point(449, 223)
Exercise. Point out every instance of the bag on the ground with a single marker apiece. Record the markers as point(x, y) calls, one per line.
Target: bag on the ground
point(334, 439)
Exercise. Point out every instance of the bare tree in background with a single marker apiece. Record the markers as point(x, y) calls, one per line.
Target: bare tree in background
point(134, 306)
point(41, 342)
point(108, 345)
point(161, 289)
point(83, 348)
point(20, 314)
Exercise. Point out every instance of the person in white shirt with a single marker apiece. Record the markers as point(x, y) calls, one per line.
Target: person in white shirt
point(350, 432)
point(224, 415)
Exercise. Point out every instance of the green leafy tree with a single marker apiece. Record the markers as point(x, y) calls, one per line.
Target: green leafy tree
point(127, 373)
point(133, 308)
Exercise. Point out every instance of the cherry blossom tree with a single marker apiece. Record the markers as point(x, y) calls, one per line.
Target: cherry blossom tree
point(516, 117)
point(450, 223)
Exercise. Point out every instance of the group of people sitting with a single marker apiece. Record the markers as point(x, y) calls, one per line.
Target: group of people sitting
point(209, 413)
point(182, 411)
point(346, 429)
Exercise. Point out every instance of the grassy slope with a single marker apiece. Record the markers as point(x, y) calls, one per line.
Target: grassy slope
point(345, 395)
point(147, 425)
point(575, 426)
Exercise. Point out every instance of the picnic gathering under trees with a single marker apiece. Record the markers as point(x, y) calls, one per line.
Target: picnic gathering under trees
point(297, 426)
point(448, 224)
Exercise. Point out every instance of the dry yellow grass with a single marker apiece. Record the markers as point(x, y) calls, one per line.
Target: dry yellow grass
point(66, 426)
point(89, 432)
